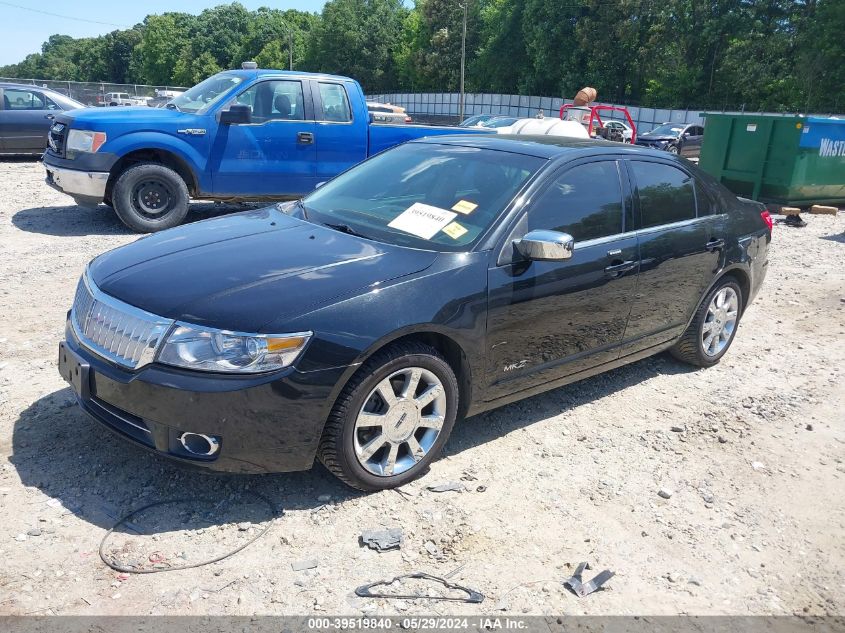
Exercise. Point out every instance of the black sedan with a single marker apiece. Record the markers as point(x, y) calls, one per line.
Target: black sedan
point(434, 281)
point(676, 138)
point(26, 114)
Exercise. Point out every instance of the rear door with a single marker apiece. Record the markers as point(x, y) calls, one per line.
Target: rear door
point(691, 146)
point(26, 118)
point(275, 154)
point(682, 241)
point(339, 137)
point(547, 320)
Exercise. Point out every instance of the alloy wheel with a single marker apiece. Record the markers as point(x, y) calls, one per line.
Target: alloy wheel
point(400, 421)
point(720, 321)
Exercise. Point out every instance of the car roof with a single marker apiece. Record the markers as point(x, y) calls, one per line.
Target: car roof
point(272, 72)
point(548, 147)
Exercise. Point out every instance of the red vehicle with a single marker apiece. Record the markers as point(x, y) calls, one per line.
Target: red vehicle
point(589, 117)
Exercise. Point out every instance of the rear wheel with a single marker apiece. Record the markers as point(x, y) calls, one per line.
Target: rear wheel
point(714, 326)
point(150, 197)
point(392, 419)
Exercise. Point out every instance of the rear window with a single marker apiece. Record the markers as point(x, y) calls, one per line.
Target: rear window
point(666, 193)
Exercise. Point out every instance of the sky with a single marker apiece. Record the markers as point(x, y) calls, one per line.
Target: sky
point(23, 30)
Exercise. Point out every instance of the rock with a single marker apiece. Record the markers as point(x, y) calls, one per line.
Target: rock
point(302, 565)
point(243, 527)
point(809, 427)
point(758, 465)
point(678, 429)
point(431, 548)
point(723, 439)
point(20, 537)
point(666, 493)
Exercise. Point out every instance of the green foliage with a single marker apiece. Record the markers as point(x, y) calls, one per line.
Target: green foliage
point(359, 38)
point(784, 55)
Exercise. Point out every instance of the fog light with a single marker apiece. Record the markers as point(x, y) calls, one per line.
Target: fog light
point(199, 444)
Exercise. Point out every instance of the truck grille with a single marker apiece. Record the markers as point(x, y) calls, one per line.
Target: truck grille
point(56, 138)
point(115, 330)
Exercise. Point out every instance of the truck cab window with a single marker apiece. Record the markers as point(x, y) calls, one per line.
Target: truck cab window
point(335, 103)
point(279, 100)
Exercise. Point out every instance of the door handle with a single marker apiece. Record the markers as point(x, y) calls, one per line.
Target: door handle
point(306, 138)
point(715, 245)
point(49, 116)
point(619, 268)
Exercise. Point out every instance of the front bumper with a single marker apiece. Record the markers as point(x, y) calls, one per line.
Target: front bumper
point(86, 187)
point(263, 423)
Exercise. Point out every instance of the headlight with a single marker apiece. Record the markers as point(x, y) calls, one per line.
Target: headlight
point(207, 349)
point(85, 141)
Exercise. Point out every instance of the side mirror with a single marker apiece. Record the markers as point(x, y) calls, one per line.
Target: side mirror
point(236, 114)
point(546, 246)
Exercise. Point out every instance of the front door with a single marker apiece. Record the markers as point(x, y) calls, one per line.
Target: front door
point(25, 120)
point(547, 320)
point(275, 154)
point(681, 246)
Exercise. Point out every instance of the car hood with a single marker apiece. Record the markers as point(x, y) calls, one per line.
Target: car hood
point(130, 116)
point(241, 272)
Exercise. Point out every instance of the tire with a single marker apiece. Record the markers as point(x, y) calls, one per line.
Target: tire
point(150, 197)
point(690, 348)
point(344, 442)
point(674, 149)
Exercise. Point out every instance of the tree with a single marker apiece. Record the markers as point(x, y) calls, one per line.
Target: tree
point(359, 38)
point(161, 45)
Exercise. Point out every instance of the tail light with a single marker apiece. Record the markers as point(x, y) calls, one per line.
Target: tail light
point(408, 119)
point(767, 218)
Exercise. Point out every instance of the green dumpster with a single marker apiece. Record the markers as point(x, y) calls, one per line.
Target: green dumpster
point(787, 160)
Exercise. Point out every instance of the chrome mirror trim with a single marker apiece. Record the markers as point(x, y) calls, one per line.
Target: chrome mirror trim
point(545, 246)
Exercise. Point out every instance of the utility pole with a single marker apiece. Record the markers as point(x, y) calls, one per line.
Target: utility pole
point(463, 58)
point(290, 49)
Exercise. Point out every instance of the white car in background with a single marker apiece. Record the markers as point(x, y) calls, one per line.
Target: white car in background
point(627, 132)
point(545, 127)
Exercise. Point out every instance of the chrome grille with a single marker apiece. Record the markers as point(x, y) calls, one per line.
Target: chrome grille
point(117, 331)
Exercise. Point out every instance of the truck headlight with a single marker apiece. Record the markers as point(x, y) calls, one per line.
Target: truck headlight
point(85, 141)
point(208, 349)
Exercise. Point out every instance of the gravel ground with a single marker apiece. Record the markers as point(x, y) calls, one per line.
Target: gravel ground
point(750, 450)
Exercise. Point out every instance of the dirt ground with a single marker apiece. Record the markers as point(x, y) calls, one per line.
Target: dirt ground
point(752, 451)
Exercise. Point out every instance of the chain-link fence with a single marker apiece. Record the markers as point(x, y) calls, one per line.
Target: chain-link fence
point(94, 93)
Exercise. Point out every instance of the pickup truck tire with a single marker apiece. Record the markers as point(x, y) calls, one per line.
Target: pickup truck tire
point(356, 446)
point(150, 197)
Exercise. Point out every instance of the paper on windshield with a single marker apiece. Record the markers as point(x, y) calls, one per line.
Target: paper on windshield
point(455, 230)
point(422, 220)
point(464, 206)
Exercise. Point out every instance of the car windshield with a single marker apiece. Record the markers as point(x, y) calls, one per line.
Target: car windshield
point(668, 129)
point(205, 94)
point(422, 195)
point(504, 121)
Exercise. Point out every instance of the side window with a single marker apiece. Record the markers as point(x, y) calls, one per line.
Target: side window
point(335, 103)
point(666, 193)
point(23, 100)
point(585, 201)
point(279, 100)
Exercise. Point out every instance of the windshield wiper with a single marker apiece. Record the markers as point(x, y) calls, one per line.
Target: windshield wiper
point(344, 228)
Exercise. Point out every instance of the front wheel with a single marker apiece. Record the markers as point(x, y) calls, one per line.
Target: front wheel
point(713, 328)
point(150, 197)
point(392, 419)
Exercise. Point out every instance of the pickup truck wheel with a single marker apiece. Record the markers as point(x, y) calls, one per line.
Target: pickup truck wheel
point(150, 197)
point(713, 328)
point(392, 419)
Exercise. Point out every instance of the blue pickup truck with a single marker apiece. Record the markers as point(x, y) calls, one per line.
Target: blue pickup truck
point(239, 135)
